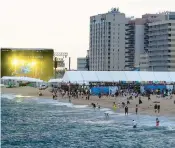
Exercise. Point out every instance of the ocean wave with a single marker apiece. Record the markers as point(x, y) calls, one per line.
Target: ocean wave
point(21, 96)
point(105, 109)
point(39, 125)
point(58, 103)
point(8, 96)
point(80, 106)
point(53, 102)
point(99, 122)
point(171, 128)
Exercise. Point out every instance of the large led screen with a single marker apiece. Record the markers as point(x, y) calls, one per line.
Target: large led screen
point(35, 63)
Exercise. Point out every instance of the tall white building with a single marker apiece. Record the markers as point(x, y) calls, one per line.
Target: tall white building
point(161, 49)
point(107, 41)
point(121, 43)
point(150, 42)
point(137, 39)
point(134, 41)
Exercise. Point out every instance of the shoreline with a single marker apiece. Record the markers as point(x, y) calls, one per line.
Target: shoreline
point(66, 100)
point(146, 108)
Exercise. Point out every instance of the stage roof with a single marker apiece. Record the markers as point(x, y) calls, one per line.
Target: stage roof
point(116, 76)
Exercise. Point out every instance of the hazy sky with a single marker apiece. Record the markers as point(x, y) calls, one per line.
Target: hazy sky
point(62, 24)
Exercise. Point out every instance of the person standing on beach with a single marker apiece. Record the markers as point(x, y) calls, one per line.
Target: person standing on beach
point(158, 108)
point(93, 105)
point(114, 106)
point(40, 93)
point(149, 98)
point(99, 107)
point(136, 109)
point(140, 101)
point(155, 108)
point(126, 110)
point(53, 96)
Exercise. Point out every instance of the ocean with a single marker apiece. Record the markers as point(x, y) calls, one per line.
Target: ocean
point(45, 123)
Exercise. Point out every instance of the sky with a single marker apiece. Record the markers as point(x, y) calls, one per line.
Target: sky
point(63, 24)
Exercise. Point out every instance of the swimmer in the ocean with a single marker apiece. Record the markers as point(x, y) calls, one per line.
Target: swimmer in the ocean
point(106, 115)
point(157, 122)
point(134, 123)
point(93, 105)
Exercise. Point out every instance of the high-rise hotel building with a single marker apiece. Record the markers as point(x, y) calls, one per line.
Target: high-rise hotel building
point(161, 48)
point(121, 43)
point(107, 41)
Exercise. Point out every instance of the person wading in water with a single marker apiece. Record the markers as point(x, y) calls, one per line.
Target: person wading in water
point(126, 110)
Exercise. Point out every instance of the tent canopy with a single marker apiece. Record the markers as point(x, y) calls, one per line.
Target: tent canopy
point(55, 80)
point(116, 76)
point(147, 76)
point(28, 79)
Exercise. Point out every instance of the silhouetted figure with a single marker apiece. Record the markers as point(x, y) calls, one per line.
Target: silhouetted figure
point(158, 108)
point(140, 101)
point(155, 108)
point(126, 110)
point(136, 109)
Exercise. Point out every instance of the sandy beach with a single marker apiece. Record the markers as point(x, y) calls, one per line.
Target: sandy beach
point(167, 106)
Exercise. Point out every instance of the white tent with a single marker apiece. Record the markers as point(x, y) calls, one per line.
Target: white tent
point(132, 76)
point(55, 80)
point(73, 77)
point(162, 76)
point(172, 76)
point(89, 76)
point(21, 79)
point(104, 76)
point(147, 76)
point(116, 76)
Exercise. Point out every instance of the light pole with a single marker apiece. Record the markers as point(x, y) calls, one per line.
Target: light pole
point(55, 65)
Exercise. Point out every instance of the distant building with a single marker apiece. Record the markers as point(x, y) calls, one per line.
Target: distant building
point(121, 43)
point(82, 64)
point(137, 39)
point(60, 58)
point(87, 60)
point(161, 49)
point(107, 41)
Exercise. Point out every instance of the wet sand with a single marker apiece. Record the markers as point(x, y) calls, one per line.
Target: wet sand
point(167, 106)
